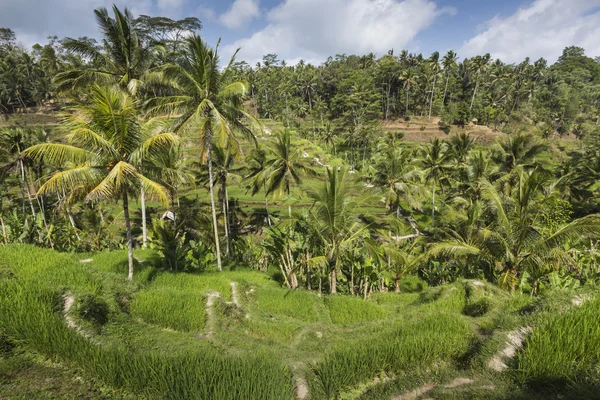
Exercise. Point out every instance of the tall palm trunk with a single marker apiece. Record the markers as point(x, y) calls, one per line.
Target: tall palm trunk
point(446, 89)
point(144, 230)
point(431, 101)
point(129, 237)
point(433, 202)
point(474, 92)
point(333, 281)
point(407, 90)
point(226, 225)
point(212, 204)
point(25, 185)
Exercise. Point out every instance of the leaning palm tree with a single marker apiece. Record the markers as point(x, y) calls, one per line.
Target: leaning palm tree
point(449, 63)
point(106, 144)
point(121, 57)
point(409, 78)
point(208, 103)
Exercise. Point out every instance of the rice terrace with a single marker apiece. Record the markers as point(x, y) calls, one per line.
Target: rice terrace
point(272, 200)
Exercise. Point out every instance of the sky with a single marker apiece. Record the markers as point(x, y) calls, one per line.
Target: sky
point(313, 30)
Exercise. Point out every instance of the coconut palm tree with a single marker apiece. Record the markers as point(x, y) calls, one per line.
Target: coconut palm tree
point(121, 57)
point(208, 103)
point(434, 67)
point(398, 176)
point(434, 161)
point(335, 220)
point(479, 67)
point(409, 79)
point(106, 144)
point(449, 63)
point(224, 171)
point(285, 165)
point(515, 241)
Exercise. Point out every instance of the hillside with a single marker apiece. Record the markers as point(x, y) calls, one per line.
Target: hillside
point(168, 335)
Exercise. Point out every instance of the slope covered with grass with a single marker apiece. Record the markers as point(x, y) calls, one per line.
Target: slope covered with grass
point(239, 335)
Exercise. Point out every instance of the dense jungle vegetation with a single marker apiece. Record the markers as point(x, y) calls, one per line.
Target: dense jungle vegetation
point(447, 202)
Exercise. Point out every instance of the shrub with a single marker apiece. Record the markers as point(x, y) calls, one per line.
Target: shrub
point(412, 284)
point(477, 308)
point(93, 308)
point(351, 309)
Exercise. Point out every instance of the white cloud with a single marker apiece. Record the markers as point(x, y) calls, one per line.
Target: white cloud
point(240, 13)
point(206, 13)
point(34, 20)
point(316, 29)
point(172, 7)
point(542, 29)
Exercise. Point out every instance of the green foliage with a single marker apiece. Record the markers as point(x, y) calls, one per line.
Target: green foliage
point(563, 348)
point(412, 284)
point(26, 310)
point(169, 308)
point(350, 310)
point(435, 339)
point(93, 308)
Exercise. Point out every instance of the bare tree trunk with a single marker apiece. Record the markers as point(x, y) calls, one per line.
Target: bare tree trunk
point(212, 203)
point(431, 101)
point(432, 203)
point(474, 92)
point(25, 185)
point(397, 285)
point(129, 237)
point(225, 224)
point(446, 89)
point(3, 231)
point(267, 208)
point(144, 228)
point(333, 282)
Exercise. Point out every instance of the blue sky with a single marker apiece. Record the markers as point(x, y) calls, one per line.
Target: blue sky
point(314, 29)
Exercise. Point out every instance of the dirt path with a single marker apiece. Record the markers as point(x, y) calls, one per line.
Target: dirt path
point(211, 321)
point(234, 294)
point(514, 343)
point(416, 393)
point(69, 301)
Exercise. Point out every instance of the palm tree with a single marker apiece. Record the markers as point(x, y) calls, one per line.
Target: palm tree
point(397, 175)
point(121, 58)
point(434, 66)
point(409, 78)
point(479, 66)
point(403, 259)
point(284, 166)
point(13, 142)
point(106, 144)
point(434, 162)
point(515, 241)
point(449, 63)
point(460, 146)
point(206, 102)
point(224, 172)
point(335, 220)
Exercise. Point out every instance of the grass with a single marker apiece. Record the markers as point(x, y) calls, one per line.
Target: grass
point(436, 338)
point(564, 348)
point(148, 338)
point(350, 310)
point(179, 310)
